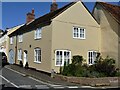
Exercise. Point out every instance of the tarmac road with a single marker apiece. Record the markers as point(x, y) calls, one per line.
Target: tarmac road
point(13, 80)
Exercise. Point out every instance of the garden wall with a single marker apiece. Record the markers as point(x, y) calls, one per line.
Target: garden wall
point(104, 81)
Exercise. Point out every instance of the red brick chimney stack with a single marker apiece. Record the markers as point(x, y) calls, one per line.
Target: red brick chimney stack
point(30, 16)
point(33, 11)
point(54, 6)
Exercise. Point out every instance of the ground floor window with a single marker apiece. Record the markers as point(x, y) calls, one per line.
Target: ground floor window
point(91, 57)
point(62, 56)
point(37, 55)
point(20, 54)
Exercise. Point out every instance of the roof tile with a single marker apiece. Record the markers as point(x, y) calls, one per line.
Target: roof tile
point(113, 9)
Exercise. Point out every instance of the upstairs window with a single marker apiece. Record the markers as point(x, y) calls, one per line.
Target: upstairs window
point(37, 55)
point(78, 33)
point(38, 33)
point(11, 40)
point(20, 54)
point(20, 38)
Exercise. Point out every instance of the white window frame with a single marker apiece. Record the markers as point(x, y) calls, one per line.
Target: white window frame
point(11, 40)
point(93, 58)
point(20, 38)
point(38, 33)
point(36, 55)
point(63, 57)
point(79, 33)
point(20, 54)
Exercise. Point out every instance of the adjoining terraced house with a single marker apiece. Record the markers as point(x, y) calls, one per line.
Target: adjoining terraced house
point(11, 52)
point(2, 41)
point(108, 16)
point(50, 40)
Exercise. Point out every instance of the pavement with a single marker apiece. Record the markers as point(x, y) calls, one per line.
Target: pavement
point(39, 75)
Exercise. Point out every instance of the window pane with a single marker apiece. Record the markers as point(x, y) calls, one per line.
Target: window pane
point(75, 29)
point(38, 51)
point(81, 36)
point(57, 53)
point(60, 53)
point(75, 35)
point(38, 58)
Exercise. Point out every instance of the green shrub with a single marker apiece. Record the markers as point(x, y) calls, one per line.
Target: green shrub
point(101, 68)
point(61, 69)
point(79, 70)
point(117, 74)
point(77, 59)
point(69, 70)
point(105, 66)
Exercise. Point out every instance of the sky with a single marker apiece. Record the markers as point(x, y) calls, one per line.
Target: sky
point(14, 13)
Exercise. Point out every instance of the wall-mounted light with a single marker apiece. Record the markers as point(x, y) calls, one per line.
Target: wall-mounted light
point(30, 46)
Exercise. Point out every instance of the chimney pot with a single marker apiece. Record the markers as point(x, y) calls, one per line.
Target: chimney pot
point(30, 16)
point(54, 6)
point(33, 11)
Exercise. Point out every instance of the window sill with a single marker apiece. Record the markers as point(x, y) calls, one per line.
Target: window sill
point(20, 42)
point(90, 64)
point(19, 59)
point(59, 65)
point(37, 62)
point(37, 38)
point(79, 38)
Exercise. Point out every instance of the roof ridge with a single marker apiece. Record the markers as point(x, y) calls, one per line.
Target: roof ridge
point(64, 7)
point(114, 10)
point(108, 3)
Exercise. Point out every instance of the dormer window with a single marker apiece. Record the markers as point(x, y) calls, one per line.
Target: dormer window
point(38, 33)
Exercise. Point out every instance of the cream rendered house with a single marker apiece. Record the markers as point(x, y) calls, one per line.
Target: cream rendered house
point(50, 40)
point(3, 42)
point(11, 51)
point(108, 16)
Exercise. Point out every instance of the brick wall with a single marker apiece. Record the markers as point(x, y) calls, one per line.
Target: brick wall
point(103, 81)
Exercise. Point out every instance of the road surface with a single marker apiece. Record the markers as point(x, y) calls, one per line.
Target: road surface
point(13, 79)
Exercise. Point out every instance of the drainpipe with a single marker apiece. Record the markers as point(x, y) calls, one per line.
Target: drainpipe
point(16, 50)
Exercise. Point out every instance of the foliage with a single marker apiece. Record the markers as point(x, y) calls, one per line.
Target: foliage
point(106, 66)
point(117, 74)
point(77, 59)
point(61, 69)
point(101, 68)
point(69, 70)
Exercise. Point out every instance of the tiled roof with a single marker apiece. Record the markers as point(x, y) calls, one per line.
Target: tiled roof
point(114, 10)
point(45, 18)
point(53, 14)
point(13, 29)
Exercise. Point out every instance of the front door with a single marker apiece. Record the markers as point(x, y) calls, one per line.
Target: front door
point(25, 58)
point(11, 56)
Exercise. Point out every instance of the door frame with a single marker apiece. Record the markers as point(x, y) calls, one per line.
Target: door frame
point(25, 57)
